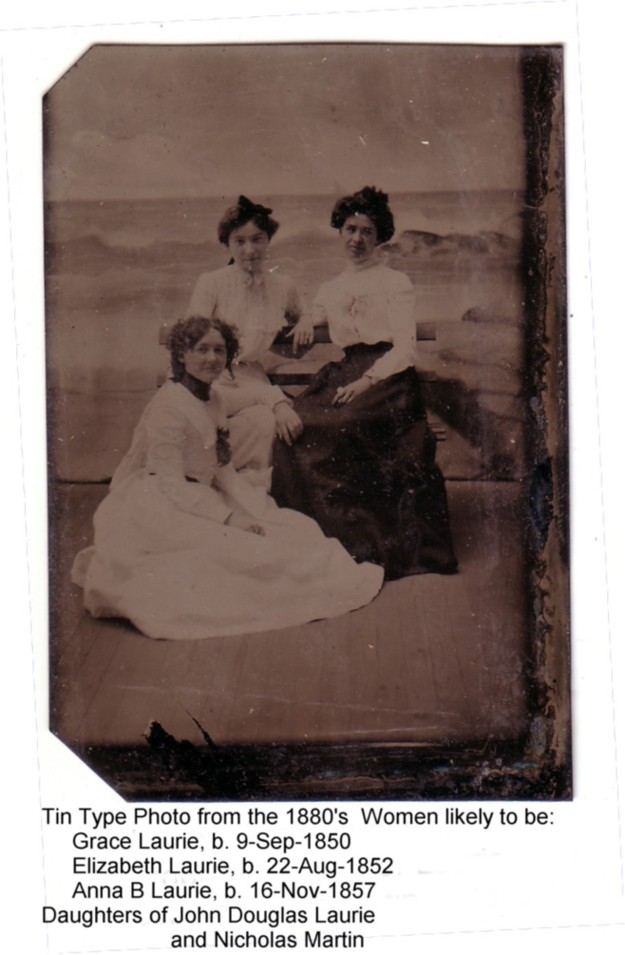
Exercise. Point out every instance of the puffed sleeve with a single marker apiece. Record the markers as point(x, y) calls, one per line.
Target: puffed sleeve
point(204, 298)
point(165, 433)
point(318, 311)
point(399, 305)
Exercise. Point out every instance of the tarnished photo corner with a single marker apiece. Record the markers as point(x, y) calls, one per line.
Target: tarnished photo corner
point(443, 687)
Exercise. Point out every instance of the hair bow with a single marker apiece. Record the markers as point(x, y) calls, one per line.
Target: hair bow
point(253, 208)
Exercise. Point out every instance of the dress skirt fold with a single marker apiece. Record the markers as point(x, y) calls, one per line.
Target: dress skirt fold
point(365, 471)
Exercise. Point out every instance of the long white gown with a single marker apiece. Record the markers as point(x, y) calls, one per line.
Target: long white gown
point(164, 557)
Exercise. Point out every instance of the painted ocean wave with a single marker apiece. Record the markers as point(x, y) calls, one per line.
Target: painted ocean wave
point(117, 271)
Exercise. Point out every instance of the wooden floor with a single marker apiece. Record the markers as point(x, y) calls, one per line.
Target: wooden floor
point(436, 659)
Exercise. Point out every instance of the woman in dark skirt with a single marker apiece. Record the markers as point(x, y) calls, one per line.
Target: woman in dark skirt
point(364, 467)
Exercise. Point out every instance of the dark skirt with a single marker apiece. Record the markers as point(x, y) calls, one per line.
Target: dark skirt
point(365, 471)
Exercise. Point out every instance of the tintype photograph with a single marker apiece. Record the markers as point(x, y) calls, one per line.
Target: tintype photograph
point(307, 420)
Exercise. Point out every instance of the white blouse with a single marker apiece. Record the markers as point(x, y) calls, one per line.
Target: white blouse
point(371, 304)
point(257, 304)
point(176, 439)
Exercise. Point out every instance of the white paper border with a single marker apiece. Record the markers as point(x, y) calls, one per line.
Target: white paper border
point(587, 902)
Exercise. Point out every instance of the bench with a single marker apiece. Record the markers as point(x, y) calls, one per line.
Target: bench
point(297, 372)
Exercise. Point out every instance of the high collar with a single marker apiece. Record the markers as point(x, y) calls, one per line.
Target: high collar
point(369, 263)
point(199, 389)
point(249, 279)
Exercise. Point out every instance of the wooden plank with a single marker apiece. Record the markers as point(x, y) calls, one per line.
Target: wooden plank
point(404, 662)
point(489, 612)
point(263, 689)
point(207, 683)
point(299, 377)
point(363, 715)
point(426, 332)
point(75, 636)
point(334, 702)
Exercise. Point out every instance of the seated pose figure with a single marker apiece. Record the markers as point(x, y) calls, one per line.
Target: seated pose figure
point(364, 466)
point(185, 547)
point(258, 304)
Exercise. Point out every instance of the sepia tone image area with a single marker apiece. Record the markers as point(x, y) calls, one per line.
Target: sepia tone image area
point(402, 631)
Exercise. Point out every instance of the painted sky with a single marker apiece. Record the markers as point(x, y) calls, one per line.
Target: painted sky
point(163, 121)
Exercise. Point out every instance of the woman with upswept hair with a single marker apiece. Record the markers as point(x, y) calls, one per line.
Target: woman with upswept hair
point(259, 304)
point(185, 547)
point(364, 467)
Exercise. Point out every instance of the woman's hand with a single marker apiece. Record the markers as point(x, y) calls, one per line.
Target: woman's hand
point(242, 522)
point(303, 334)
point(288, 423)
point(346, 394)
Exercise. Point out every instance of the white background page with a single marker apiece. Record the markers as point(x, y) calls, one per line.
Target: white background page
point(459, 890)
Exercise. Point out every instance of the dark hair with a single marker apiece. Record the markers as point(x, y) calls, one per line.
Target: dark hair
point(186, 333)
point(370, 202)
point(246, 211)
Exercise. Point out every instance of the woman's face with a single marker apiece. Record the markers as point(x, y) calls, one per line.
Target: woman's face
point(360, 237)
point(207, 359)
point(249, 246)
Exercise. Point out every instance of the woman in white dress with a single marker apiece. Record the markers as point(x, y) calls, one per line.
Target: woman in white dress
point(187, 548)
point(364, 467)
point(258, 304)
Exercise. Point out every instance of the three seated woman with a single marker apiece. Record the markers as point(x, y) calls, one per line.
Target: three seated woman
point(188, 543)
point(355, 451)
